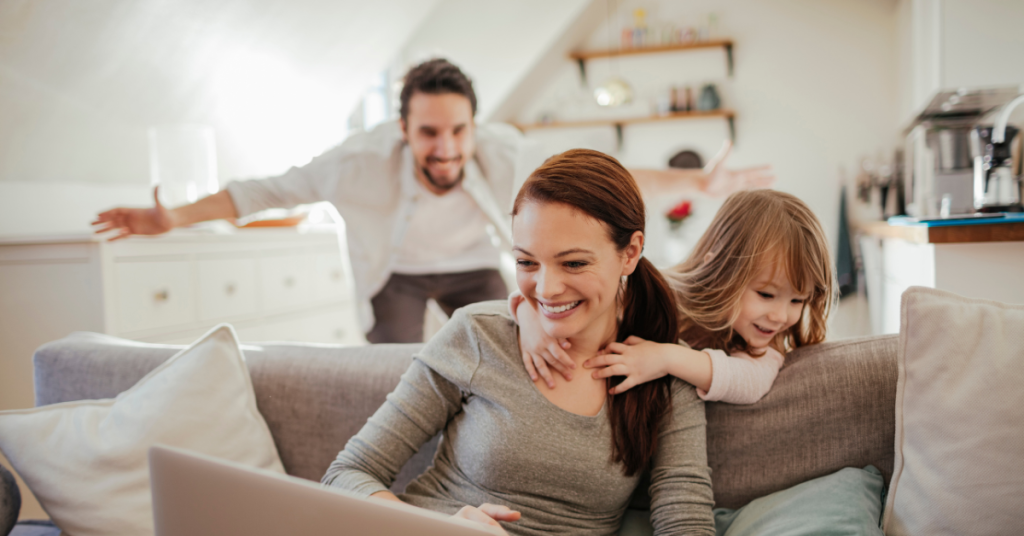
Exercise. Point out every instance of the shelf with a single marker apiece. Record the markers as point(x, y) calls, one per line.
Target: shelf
point(729, 115)
point(582, 56)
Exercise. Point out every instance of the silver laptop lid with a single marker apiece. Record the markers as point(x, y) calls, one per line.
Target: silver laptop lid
point(196, 495)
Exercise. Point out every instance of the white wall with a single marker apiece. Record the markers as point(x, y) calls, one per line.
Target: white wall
point(494, 41)
point(814, 90)
point(80, 82)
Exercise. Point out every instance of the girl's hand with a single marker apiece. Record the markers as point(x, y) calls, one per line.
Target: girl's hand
point(540, 350)
point(639, 360)
point(488, 514)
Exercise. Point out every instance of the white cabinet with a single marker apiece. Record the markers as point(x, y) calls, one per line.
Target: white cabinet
point(987, 270)
point(270, 284)
point(949, 44)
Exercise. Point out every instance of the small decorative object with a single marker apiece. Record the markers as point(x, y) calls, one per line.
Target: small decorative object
point(613, 92)
point(678, 214)
point(709, 99)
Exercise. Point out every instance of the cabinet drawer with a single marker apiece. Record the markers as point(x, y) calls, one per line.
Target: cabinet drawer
point(226, 288)
point(287, 282)
point(330, 277)
point(154, 294)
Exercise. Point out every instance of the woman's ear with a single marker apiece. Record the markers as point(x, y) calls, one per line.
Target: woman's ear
point(633, 251)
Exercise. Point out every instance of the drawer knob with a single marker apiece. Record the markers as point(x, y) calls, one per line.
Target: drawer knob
point(339, 334)
point(289, 282)
point(161, 295)
point(336, 275)
point(229, 289)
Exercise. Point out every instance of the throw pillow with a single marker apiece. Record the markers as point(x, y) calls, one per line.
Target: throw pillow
point(959, 423)
point(86, 461)
point(847, 502)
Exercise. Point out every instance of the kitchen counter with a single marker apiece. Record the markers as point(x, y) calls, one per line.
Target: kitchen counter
point(946, 234)
point(977, 260)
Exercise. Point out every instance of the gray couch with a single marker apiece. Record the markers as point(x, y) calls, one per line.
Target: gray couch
point(831, 407)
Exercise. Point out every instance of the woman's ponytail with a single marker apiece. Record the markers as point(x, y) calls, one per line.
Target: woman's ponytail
point(649, 312)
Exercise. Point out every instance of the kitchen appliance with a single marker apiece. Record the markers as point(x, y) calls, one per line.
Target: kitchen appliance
point(955, 163)
point(942, 176)
point(997, 181)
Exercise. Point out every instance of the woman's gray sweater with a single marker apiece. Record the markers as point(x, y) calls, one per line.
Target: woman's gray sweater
point(505, 443)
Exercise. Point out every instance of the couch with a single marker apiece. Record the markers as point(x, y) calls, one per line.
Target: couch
point(831, 407)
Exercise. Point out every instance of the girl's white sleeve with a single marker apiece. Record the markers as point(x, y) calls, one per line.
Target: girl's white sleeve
point(740, 378)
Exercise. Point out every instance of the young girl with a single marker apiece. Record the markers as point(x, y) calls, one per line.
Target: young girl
point(758, 284)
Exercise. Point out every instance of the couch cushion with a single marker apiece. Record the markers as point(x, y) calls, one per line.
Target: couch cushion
point(313, 397)
point(86, 461)
point(959, 439)
point(831, 407)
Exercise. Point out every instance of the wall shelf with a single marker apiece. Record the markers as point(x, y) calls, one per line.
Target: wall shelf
point(728, 115)
point(581, 57)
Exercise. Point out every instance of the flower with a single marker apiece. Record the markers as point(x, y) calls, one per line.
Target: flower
point(680, 212)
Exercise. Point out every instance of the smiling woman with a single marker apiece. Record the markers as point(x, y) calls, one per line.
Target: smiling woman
point(515, 453)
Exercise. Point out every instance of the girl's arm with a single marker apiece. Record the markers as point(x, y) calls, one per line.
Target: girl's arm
point(739, 379)
point(543, 351)
point(641, 361)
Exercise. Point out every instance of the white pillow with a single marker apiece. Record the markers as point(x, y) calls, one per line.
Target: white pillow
point(86, 460)
point(959, 465)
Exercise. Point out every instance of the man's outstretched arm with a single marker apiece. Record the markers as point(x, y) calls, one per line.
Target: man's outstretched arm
point(715, 179)
point(159, 219)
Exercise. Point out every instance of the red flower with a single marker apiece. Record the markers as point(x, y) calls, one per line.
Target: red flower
point(680, 212)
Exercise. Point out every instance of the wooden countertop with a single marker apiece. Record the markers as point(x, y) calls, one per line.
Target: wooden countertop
point(952, 234)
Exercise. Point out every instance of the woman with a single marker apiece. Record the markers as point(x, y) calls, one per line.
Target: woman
point(566, 459)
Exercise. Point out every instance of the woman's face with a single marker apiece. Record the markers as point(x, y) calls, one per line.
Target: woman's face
point(569, 270)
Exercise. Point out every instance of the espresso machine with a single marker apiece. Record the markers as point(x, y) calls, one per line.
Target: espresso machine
point(997, 164)
point(957, 162)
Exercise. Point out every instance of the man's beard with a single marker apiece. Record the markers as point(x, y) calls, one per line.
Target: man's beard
point(444, 187)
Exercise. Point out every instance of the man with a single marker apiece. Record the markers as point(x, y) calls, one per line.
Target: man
point(421, 197)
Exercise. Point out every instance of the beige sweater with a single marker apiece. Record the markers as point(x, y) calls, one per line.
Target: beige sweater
point(505, 443)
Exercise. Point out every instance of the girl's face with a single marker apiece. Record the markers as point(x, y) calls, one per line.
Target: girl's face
point(769, 305)
point(569, 270)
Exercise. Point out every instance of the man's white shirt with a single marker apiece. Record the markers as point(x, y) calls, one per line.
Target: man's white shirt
point(370, 179)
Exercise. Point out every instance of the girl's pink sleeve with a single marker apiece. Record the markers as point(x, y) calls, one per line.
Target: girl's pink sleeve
point(514, 300)
point(740, 378)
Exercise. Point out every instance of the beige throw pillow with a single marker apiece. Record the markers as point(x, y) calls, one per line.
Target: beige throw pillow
point(86, 460)
point(959, 465)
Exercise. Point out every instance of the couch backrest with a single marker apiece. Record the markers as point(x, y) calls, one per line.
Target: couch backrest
point(831, 407)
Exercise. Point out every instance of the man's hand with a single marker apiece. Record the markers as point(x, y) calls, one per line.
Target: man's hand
point(488, 514)
point(142, 221)
point(722, 181)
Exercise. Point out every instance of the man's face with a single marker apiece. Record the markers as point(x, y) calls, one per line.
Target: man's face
point(439, 130)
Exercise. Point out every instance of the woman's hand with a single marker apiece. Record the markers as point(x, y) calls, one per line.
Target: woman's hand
point(540, 350)
point(639, 360)
point(488, 514)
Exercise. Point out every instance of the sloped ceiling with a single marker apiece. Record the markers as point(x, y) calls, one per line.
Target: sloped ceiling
point(81, 81)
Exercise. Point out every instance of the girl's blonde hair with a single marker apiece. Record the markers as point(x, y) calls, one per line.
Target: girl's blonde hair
point(754, 229)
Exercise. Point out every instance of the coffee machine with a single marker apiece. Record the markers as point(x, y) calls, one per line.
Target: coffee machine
point(959, 164)
point(997, 164)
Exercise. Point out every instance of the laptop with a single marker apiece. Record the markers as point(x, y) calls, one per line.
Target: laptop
point(196, 495)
